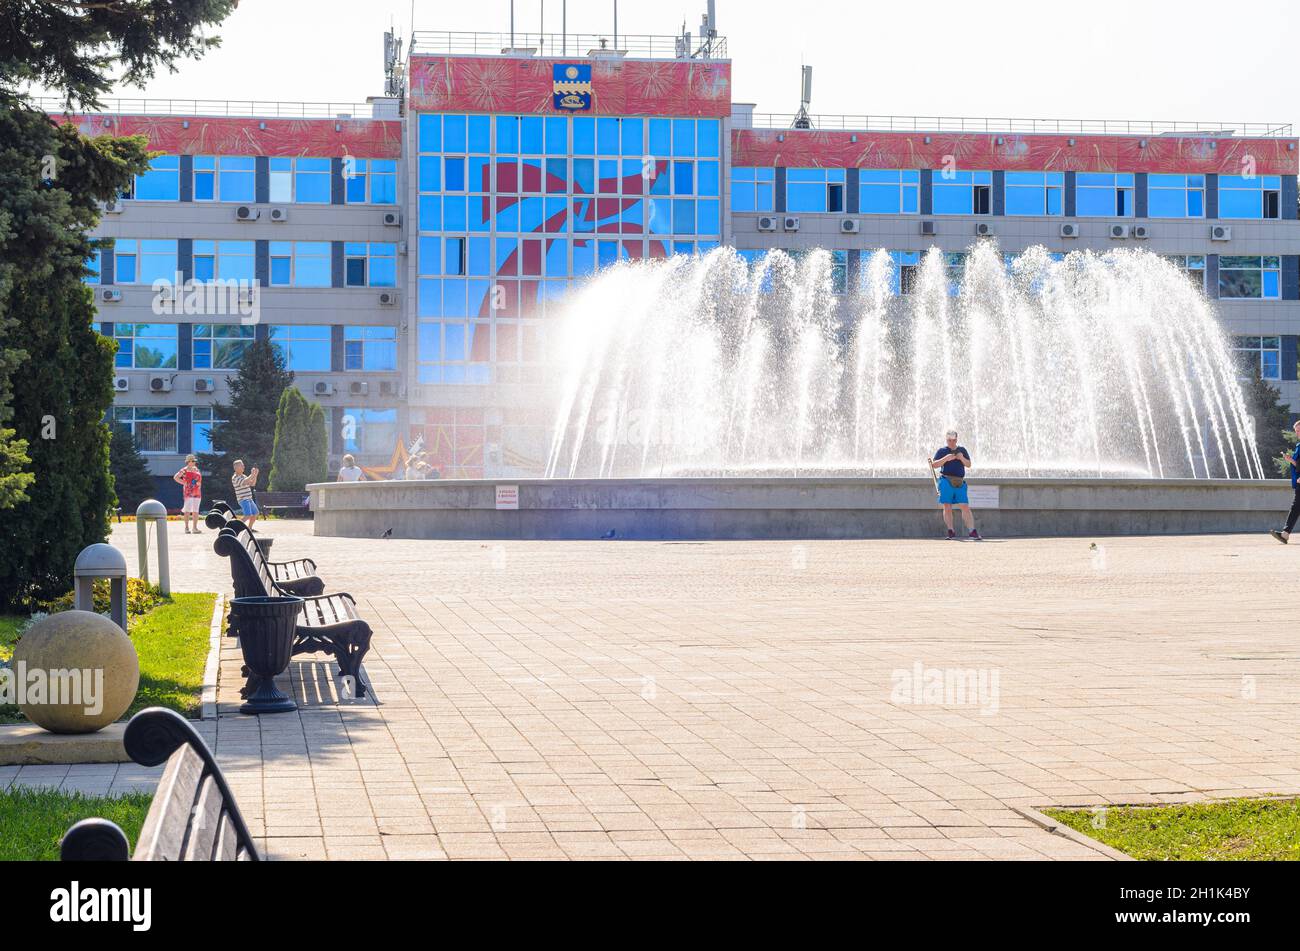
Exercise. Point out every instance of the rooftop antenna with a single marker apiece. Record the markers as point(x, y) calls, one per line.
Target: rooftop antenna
point(615, 24)
point(393, 77)
point(802, 120)
point(709, 29)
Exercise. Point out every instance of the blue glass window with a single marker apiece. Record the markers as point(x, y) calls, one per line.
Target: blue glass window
point(1176, 196)
point(153, 428)
point(146, 346)
point(557, 135)
point(453, 134)
point(710, 141)
point(370, 431)
point(606, 136)
point(205, 178)
point(144, 261)
point(753, 189)
point(1253, 196)
point(531, 128)
point(1103, 195)
point(201, 421)
point(584, 135)
point(312, 265)
point(430, 133)
point(887, 192)
point(1250, 278)
point(815, 190)
point(661, 138)
point(163, 180)
point(480, 134)
point(311, 181)
point(221, 346)
point(1035, 193)
point(236, 178)
point(963, 193)
point(304, 347)
point(1262, 355)
point(370, 349)
point(507, 135)
point(281, 263)
point(634, 137)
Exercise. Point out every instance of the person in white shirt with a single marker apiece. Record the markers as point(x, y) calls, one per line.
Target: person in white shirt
point(351, 472)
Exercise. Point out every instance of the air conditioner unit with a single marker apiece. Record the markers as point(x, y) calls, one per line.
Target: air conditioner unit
point(1069, 231)
point(387, 388)
point(849, 226)
point(790, 223)
point(767, 223)
point(1118, 231)
point(388, 299)
point(984, 230)
point(112, 207)
point(279, 214)
point(168, 292)
point(357, 388)
point(323, 389)
point(205, 386)
point(1141, 232)
point(121, 384)
point(393, 219)
point(110, 294)
point(247, 213)
point(160, 384)
point(927, 228)
point(1221, 233)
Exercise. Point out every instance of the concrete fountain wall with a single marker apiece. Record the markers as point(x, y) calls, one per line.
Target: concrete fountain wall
point(817, 508)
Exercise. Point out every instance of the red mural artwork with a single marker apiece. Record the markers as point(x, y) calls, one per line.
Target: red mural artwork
point(517, 85)
point(206, 135)
point(1031, 153)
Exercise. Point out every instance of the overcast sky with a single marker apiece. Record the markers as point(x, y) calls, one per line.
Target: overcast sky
point(1141, 59)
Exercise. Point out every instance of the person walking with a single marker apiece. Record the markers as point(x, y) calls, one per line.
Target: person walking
point(243, 485)
point(190, 479)
point(1284, 536)
point(953, 462)
point(351, 472)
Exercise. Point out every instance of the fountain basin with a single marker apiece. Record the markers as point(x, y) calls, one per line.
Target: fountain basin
point(790, 508)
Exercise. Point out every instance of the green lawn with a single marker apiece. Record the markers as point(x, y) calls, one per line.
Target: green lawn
point(172, 644)
point(32, 821)
point(1239, 830)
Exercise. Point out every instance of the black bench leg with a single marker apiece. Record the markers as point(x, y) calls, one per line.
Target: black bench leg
point(351, 653)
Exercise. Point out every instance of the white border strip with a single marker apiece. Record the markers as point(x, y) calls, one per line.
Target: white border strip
point(208, 698)
point(1050, 825)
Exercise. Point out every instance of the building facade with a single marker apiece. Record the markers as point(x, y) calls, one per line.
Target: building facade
point(408, 256)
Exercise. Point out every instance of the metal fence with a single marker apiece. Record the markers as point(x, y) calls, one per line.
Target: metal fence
point(866, 123)
point(218, 107)
point(561, 44)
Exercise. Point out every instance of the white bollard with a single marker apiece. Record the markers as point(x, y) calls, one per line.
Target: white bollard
point(95, 562)
point(154, 511)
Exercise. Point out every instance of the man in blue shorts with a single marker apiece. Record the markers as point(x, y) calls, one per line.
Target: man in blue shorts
point(243, 486)
point(952, 461)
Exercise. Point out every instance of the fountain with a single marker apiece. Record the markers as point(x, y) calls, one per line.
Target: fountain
point(748, 395)
point(1106, 366)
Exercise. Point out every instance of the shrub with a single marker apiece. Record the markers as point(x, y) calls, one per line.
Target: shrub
point(141, 598)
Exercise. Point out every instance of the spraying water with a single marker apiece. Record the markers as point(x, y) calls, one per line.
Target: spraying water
point(1097, 365)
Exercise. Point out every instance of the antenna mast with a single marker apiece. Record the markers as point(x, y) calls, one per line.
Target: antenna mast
point(802, 119)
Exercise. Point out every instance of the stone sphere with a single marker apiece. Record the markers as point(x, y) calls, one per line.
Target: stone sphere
point(85, 666)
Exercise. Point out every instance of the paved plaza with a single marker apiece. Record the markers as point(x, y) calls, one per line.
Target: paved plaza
point(879, 700)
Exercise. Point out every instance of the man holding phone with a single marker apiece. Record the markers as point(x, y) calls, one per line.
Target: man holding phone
point(243, 485)
point(953, 461)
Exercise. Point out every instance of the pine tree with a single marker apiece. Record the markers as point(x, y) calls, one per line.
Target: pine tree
point(246, 427)
point(55, 485)
point(131, 478)
point(1273, 434)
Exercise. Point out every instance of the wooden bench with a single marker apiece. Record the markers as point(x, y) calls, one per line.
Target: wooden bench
point(327, 623)
point(193, 817)
point(296, 502)
point(296, 577)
